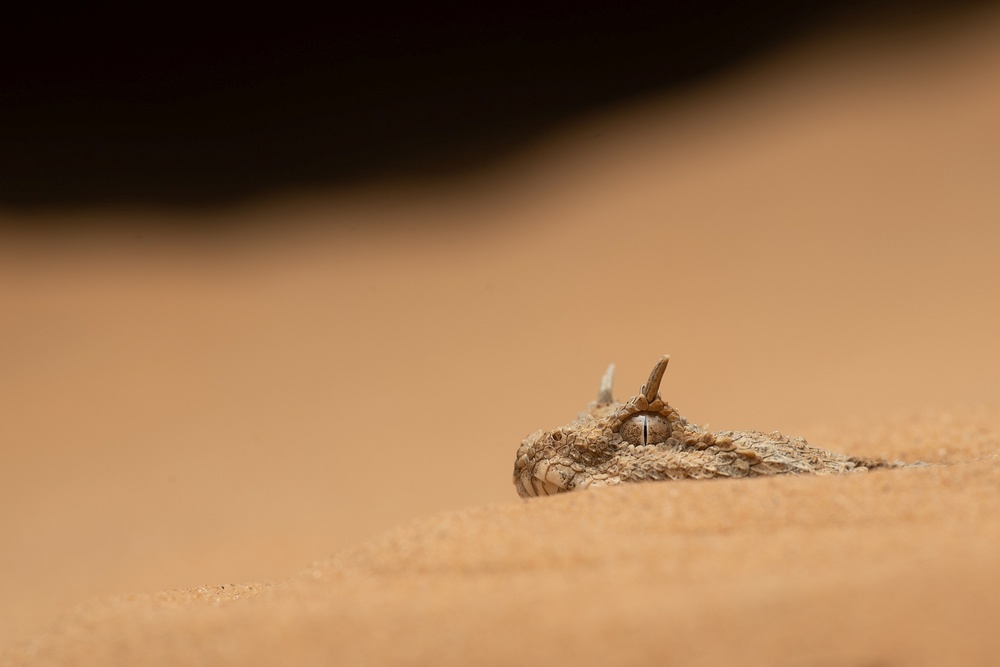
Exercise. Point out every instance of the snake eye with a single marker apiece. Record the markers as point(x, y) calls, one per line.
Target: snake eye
point(645, 428)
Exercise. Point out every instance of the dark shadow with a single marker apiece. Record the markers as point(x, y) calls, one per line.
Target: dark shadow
point(184, 111)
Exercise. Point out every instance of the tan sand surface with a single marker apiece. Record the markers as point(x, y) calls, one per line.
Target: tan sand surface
point(890, 567)
point(813, 240)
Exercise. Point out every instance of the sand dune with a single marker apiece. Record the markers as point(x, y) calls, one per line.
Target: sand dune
point(889, 567)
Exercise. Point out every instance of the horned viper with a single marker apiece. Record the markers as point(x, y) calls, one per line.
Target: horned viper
point(645, 439)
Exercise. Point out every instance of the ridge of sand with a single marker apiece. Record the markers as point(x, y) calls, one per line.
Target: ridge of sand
point(888, 567)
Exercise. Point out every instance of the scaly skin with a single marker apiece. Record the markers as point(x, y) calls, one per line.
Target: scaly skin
point(644, 439)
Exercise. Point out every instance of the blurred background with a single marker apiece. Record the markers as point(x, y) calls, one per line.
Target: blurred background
point(273, 283)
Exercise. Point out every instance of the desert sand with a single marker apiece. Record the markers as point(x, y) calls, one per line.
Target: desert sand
point(342, 378)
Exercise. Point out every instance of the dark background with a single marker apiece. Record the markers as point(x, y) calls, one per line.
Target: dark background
point(190, 108)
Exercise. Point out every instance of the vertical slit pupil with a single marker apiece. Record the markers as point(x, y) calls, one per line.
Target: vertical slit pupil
point(645, 431)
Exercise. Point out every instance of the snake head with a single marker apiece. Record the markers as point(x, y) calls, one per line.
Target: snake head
point(584, 452)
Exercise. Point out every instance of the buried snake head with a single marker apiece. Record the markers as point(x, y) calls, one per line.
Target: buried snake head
point(583, 453)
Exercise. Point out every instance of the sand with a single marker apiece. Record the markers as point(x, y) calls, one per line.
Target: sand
point(812, 239)
point(889, 567)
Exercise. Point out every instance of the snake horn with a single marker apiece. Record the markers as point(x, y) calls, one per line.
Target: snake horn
point(604, 393)
point(652, 386)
